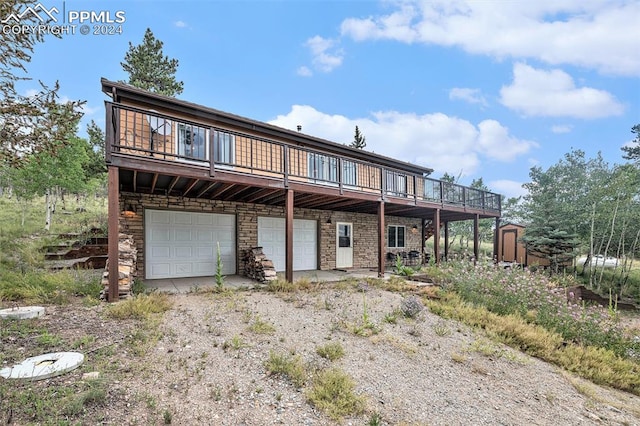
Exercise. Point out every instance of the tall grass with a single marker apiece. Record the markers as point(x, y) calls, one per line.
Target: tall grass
point(22, 273)
point(542, 301)
point(46, 287)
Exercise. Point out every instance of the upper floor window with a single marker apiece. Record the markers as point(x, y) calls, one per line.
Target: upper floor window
point(349, 173)
point(395, 236)
point(396, 184)
point(322, 167)
point(223, 147)
point(192, 141)
point(432, 190)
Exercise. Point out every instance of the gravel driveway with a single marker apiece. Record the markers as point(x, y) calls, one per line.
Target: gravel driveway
point(209, 366)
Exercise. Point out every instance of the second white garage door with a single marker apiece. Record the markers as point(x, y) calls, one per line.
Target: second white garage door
point(271, 238)
point(185, 244)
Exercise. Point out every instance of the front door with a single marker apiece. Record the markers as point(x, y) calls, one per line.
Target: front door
point(344, 245)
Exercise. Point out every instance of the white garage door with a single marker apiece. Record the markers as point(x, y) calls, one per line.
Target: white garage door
point(184, 244)
point(305, 242)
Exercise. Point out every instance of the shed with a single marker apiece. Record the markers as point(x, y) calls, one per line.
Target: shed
point(512, 249)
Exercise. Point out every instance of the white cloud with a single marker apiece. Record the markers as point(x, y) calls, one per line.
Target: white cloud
point(181, 24)
point(562, 128)
point(304, 71)
point(593, 34)
point(508, 188)
point(535, 92)
point(399, 25)
point(496, 142)
point(473, 96)
point(444, 143)
point(326, 56)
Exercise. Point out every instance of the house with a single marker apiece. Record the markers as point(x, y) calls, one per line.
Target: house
point(185, 179)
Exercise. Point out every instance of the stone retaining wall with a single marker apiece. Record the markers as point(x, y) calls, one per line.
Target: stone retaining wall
point(126, 267)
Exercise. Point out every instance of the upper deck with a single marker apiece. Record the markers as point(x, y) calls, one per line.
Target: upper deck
point(165, 146)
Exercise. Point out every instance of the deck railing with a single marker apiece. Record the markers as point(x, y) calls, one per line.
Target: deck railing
point(148, 133)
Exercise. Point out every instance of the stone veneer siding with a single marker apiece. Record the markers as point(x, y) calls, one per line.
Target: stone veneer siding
point(365, 236)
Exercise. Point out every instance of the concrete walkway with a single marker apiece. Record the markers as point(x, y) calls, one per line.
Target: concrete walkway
point(186, 285)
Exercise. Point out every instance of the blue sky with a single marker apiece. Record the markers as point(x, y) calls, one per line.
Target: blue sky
point(473, 88)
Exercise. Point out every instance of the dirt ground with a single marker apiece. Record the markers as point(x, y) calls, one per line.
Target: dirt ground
point(204, 363)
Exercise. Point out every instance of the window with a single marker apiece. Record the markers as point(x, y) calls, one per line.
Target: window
point(396, 184)
point(431, 190)
point(395, 236)
point(223, 147)
point(344, 235)
point(192, 141)
point(349, 173)
point(322, 167)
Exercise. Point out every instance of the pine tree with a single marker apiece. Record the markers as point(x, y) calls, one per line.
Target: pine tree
point(632, 152)
point(359, 141)
point(149, 69)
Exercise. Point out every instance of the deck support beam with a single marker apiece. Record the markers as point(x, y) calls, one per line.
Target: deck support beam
point(446, 239)
point(476, 240)
point(288, 226)
point(381, 239)
point(496, 236)
point(113, 233)
point(436, 235)
point(423, 244)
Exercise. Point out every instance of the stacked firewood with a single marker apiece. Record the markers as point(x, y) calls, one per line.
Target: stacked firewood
point(127, 256)
point(257, 266)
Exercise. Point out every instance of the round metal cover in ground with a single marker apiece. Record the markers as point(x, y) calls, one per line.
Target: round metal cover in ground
point(23, 312)
point(44, 366)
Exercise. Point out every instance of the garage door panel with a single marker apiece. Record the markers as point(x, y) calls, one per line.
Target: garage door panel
point(159, 217)
point(223, 236)
point(205, 252)
point(184, 244)
point(160, 269)
point(204, 219)
point(271, 236)
point(183, 268)
point(183, 235)
point(158, 235)
point(225, 220)
point(160, 252)
point(183, 252)
point(204, 236)
point(203, 268)
point(183, 218)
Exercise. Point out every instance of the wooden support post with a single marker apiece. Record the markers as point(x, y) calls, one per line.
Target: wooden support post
point(288, 234)
point(381, 239)
point(113, 232)
point(476, 240)
point(436, 236)
point(496, 236)
point(446, 240)
point(423, 236)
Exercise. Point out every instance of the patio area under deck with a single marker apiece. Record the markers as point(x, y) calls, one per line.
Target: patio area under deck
point(239, 282)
